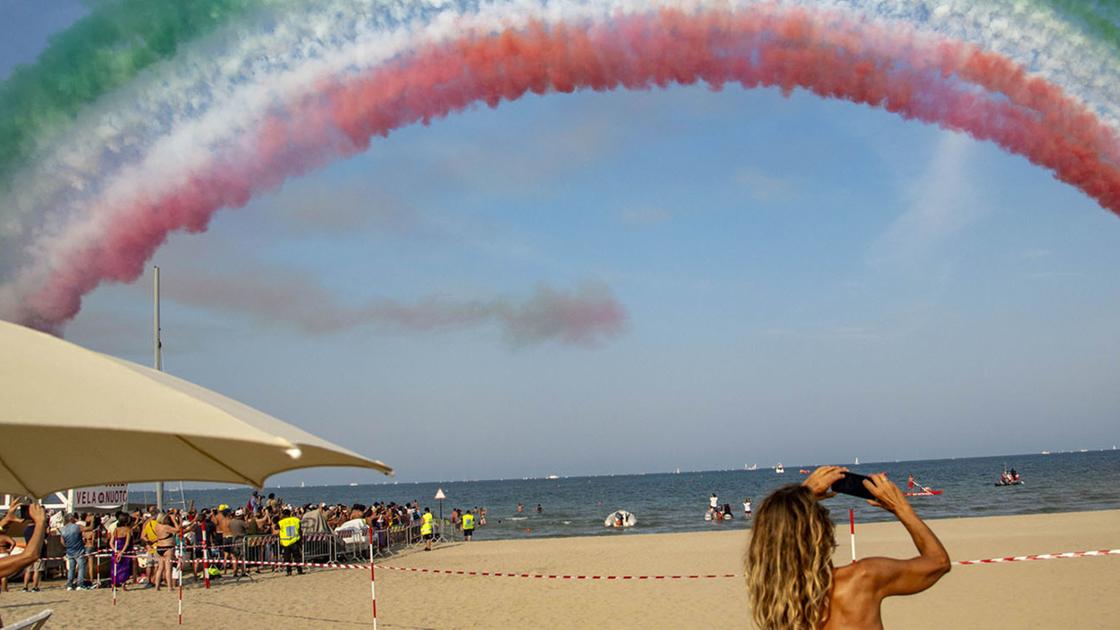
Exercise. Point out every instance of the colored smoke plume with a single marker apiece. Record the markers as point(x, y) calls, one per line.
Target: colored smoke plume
point(952, 84)
point(586, 316)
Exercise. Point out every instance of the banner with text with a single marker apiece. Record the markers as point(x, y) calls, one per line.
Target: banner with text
point(101, 496)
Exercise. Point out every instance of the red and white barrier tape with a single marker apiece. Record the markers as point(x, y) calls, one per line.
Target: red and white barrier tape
point(1042, 556)
point(549, 576)
point(558, 576)
point(318, 565)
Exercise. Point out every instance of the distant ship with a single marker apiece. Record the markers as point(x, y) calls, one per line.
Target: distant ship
point(779, 468)
point(353, 484)
point(678, 471)
point(857, 462)
point(751, 467)
point(1048, 452)
point(553, 477)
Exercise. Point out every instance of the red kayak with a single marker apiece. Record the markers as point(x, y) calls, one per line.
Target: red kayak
point(915, 489)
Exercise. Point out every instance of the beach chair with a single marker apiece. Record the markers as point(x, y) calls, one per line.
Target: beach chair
point(31, 623)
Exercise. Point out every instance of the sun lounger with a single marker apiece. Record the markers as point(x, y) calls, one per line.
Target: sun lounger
point(31, 623)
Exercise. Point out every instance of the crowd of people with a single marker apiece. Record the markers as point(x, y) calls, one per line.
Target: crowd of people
point(142, 545)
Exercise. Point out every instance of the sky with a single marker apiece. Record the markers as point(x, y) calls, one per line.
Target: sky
point(803, 281)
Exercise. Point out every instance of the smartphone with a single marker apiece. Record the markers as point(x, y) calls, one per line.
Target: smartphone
point(852, 484)
point(24, 512)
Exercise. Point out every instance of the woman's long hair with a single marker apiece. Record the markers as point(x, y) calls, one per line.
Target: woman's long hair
point(789, 561)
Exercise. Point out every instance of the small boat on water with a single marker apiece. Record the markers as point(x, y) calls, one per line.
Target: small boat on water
point(751, 467)
point(916, 489)
point(779, 468)
point(620, 519)
point(1009, 478)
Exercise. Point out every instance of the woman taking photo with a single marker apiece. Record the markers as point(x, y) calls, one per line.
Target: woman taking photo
point(791, 581)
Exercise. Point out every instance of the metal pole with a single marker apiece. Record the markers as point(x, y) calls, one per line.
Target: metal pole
point(157, 359)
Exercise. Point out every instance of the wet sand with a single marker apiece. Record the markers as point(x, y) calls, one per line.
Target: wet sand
point(1071, 593)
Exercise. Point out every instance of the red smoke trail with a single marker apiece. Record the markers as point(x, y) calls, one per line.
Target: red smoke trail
point(951, 84)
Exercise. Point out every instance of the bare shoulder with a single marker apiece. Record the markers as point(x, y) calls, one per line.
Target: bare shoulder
point(855, 596)
point(870, 568)
point(891, 576)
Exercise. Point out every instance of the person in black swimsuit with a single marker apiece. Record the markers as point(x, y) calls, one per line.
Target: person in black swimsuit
point(166, 528)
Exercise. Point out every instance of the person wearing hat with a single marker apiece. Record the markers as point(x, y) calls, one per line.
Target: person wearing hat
point(290, 540)
point(236, 528)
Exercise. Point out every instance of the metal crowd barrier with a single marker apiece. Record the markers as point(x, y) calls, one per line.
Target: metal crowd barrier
point(340, 545)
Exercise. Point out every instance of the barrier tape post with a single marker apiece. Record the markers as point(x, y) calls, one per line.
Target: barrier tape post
point(181, 568)
point(852, 523)
point(205, 558)
point(372, 581)
point(96, 559)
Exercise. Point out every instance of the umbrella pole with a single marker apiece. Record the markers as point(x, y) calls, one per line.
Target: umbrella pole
point(157, 358)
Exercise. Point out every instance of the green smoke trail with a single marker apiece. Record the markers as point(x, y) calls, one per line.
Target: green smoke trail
point(1097, 18)
point(100, 52)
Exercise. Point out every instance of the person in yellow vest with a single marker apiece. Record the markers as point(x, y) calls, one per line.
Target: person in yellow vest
point(148, 561)
point(290, 541)
point(426, 528)
point(468, 526)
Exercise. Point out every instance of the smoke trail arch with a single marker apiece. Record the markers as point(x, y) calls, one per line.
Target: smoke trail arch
point(830, 53)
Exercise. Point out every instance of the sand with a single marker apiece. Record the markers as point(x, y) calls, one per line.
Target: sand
point(1071, 593)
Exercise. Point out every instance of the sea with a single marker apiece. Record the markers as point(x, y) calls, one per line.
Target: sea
point(676, 502)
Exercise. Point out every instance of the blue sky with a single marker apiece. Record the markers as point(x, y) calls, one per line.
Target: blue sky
point(805, 281)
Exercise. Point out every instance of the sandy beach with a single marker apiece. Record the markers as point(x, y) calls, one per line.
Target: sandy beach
point(1073, 593)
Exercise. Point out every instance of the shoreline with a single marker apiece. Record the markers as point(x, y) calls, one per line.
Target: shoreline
point(1081, 593)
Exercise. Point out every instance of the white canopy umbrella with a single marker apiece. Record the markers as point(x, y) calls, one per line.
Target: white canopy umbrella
point(71, 417)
